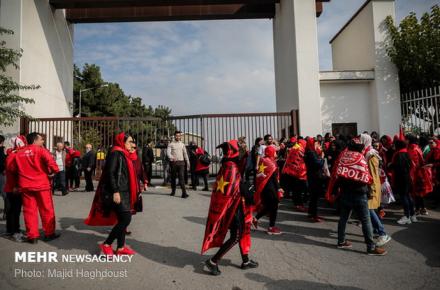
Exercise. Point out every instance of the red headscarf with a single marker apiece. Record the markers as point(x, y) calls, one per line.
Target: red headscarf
point(269, 152)
point(310, 144)
point(388, 142)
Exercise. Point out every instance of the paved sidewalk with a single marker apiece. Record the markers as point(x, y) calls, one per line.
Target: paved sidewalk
point(168, 236)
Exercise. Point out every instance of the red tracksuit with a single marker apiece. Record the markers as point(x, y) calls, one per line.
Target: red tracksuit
point(32, 164)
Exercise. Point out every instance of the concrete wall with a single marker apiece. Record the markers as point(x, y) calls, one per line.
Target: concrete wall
point(296, 62)
point(354, 46)
point(47, 42)
point(361, 45)
point(346, 102)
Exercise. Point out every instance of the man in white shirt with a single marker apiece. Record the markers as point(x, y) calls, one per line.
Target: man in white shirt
point(178, 156)
point(60, 178)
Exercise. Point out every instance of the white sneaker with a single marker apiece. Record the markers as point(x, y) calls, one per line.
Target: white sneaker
point(404, 221)
point(382, 240)
point(414, 219)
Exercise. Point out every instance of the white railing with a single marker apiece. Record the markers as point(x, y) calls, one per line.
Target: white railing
point(420, 111)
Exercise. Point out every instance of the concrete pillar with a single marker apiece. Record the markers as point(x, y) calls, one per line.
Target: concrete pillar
point(11, 18)
point(297, 62)
point(385, 87)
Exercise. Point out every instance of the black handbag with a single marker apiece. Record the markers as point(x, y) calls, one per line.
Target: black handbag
point(205, 159)
point(139, 205)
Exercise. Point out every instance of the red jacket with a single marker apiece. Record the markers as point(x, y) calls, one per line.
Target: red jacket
point(32, 165)
point(11, 177)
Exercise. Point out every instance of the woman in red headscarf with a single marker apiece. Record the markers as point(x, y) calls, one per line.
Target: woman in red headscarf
point(115, 196)
point(267, 189)
point(229, 209)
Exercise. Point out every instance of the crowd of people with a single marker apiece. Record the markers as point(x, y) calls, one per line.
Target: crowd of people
point(360, 176)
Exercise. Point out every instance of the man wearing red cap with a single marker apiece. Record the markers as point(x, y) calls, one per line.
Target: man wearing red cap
point(33, 165)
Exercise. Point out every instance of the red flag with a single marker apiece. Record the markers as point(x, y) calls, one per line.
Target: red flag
point(266, 168)
point(295, 165)
point(225, 199)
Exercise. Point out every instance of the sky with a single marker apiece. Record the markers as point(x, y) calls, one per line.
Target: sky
point(205, 66)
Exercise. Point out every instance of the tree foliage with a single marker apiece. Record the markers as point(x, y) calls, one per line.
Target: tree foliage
point(10, 100)
point(415, 49)
point(109, 100)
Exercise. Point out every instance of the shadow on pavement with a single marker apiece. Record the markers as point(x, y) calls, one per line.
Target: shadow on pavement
point(423, 237)
point(272, 284)
point(166, 255)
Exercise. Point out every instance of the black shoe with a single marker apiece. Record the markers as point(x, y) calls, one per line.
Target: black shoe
point(194, 188)
point(52, 237)
point(213, 268)
point(249, 265)
point(173, 193)
point(65, 193)
point(205, 189)
point(185, 195)
point(32, 241)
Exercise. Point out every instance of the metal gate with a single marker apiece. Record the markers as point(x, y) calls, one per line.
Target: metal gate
point(207, 131)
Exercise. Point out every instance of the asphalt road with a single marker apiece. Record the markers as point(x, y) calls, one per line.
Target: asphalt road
point(168, 236)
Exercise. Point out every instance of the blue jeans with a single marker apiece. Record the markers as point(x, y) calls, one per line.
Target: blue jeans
point(358, 203)
point(377, 223)
point(408, 204)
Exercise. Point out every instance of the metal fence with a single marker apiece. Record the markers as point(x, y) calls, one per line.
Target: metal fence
point(420, 111)
point(206, 131)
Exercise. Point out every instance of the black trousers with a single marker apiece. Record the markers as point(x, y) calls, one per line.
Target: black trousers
point(196, 180)
point(315, 190)
point(178, 170)
point(73, 177)
point(89, 180)
point(119, 230)
point(269, 196)
point(60, 181)
point(236, 232)
point(13, 211)
point(298, 190)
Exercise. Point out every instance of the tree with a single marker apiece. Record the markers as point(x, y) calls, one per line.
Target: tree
point(414, 48)
point(10, 100)
point(112, 101)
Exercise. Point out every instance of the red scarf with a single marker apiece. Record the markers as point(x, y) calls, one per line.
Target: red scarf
point(350, 165)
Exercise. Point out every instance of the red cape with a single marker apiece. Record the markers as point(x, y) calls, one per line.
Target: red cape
point(225, 199)
point(421, 177)
point(295, 165)
point(266, 168)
